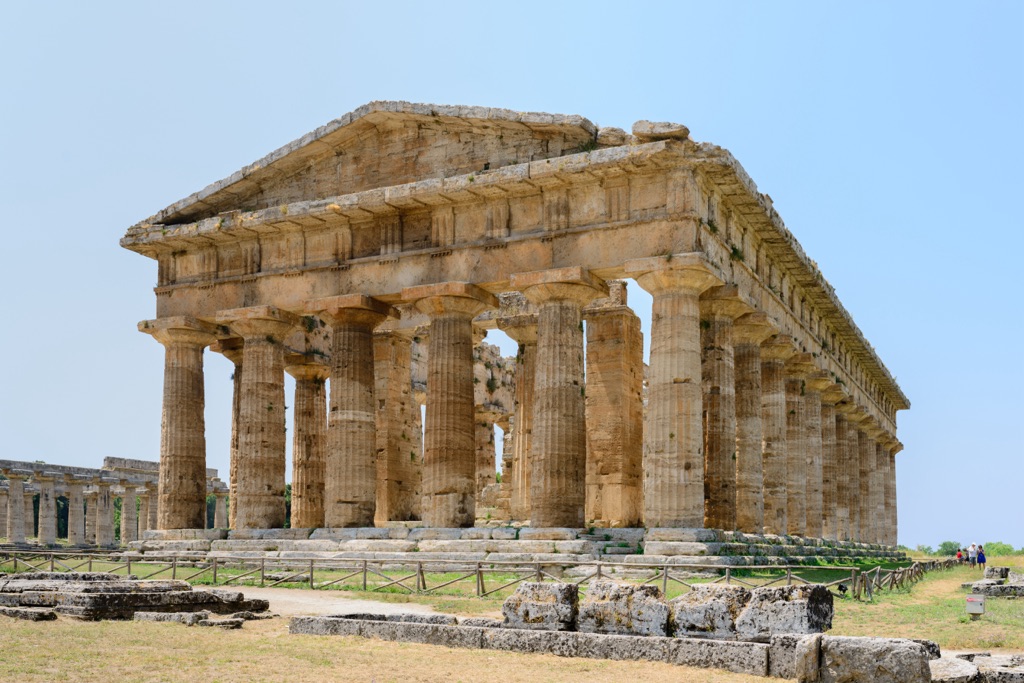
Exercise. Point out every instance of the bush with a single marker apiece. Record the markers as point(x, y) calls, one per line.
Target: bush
point(996, 548)
point(926, 549)
point(948, 548)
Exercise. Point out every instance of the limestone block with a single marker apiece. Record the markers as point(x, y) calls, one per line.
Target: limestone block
point(504, 534)
point(623, 609)
point(604, 646)
point(930, 646)
point(187, 618)
point(997, 572)
point(435, 534)
point(547, 606)
point(675, 548)
point(952, 670)
point(548, 534)
point(481, 622)
point(785, 609)
point(323, 626)
point(1014, 577)
point(28, 613)
point(361, 533)
point(782, 655)
point(879, 660)
point(999, 674)
point(747, 658)
point(562, 644)
point(476, 533)
point(166, 546)
point(996, 591)
point(185, 534)
point(610, 135)
point(438, 634)
point(681, 535)
point(390, 546)
point(226, 624)
point(708, 611)
point(269, 534)
point(649, 131)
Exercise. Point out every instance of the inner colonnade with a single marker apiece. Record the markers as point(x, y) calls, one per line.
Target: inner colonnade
point(406, 230)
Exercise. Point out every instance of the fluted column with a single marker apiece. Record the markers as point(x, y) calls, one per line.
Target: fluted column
point(891, 494)
point(105, 514)
point(830, 456)
point(91, 498)
point(814, 385)
point(719, 306)
point(143, 512)
point(559, 447)
point(154, 503)
point(774, 354)
point(748, 333)
point(866, 466)
point(449, 463)
point(183, 431)
point(522, 329)
point(614, 412)
point(673, 432)
point(15, 506)
point(130, 514)
point(350, 468)
point(232, 350)
point(878, 492)
point(398, 456)
point(47, 508)
point(3, 510)
point(797, 369)
point(220, 510)
point(260, 471)
point(30, 513)
point(309, 443)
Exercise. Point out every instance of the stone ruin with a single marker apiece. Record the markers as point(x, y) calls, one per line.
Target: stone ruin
point(998, 582)
point(94, 596)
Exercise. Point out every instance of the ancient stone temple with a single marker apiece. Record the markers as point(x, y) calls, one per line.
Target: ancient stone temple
point(368, 259)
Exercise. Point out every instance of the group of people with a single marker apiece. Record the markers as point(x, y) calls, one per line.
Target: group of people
point(974, 555)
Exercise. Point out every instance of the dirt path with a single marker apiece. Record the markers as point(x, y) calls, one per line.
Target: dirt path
point(290, 602)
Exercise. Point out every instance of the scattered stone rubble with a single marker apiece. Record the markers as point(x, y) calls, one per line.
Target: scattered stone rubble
point(977, 667)
point(998, 582)
point(627, 622)
point(95, 596)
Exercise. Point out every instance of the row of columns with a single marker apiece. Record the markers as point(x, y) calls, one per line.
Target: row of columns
point(736, 434)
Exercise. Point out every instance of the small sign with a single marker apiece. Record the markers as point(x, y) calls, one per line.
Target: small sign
point(975, 605)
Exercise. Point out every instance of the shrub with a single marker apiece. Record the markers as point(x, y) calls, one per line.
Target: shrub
point(926, 549)
point(996, 548)
point(948, 548)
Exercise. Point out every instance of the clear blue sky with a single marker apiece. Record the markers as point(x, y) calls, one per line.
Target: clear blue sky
point(888, 134)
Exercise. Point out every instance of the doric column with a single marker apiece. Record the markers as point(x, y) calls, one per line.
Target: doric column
point(614, 412)
point(232, 350)
point(143, 512)
point(483, 439)
point(220, 509)
point(260, 471)
point(797, 369)
point(183, 432)
point(76, 510)
point(853, 417)
point(891, 494)
point(350, 468)
point(15, 505)
point(719, 306)
point(673, 432)
point(153, 505)
point(866, 463)
point(30, 513)
point(47, 508)
point(814, 385)
point(878, 490)
point(129, 514)
point(3, 510)
point(398, 457)
point(309, 442)
point(830, 455)
point(523, 329)
point(90, 498)
point(449, 463)
point(105, 512)
point(748, 333)
point(559, 447)
point(774, 354)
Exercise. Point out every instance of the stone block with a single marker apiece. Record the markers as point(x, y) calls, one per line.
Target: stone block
point(952, 670)
point(476, 534)
point(269, 534)
point(604, 646)
point(879, 660)
point(560, 643)
point(226, 624)
point(1014, 577)
point(681, 535)
point(432, 534)
point(548, 534)
point(782, 655)
point(785, 609)
point(1001, 674)
point(505, 534)
point(28, 613)
point(184, 534)
point(153, 546)
point(323, 626)
point(481, 622)
point(649, 131)
point(996, 572)
point(376, 545)
point(746, 658)
point(708, 611)
point(546, 606)
point(1015, 590)
point(436, 634)
point(623, 609)
point(930, 646)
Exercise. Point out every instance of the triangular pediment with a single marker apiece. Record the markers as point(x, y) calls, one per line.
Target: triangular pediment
point(383, 144)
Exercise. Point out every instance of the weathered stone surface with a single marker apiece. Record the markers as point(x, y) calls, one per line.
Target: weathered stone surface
point(997, 572)
point(187, 618)
point(610, 135)
point(782, 655)
point(560, 643)
point(930, 646)
point(481, 622)
point(604, 646)
point(708, 611)
point(879, 660)
point(1014, 577)
point(324, 626)
point(28, 613)
point(548, 606)
point(952, 670)
point(623, 609)
point(785, 609)
point(647, 131)
point(999, 591)
point(747, 658)
point(226, 624)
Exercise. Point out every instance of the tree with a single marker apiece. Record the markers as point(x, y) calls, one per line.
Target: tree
point(997, 548)
point(925, 549)
point(948, 548)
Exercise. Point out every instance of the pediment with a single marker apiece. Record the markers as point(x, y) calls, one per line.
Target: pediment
point(383, 144)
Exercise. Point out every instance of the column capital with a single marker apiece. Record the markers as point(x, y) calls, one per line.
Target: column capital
point(778, 348)
point(834, 394)
point(574, 283)
point(300, 367)
point(352, 308)
point(724, 302)
point(45, 477)
point(521, 328)
point(182, 329)
point(800, 366)
point(691, 272)
point(230, 348)
point(752, 329)
point(15, 474)
point(819, 381)
point(872, 428)
point(897, 447)
point(450, 297)
point(259, 321)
